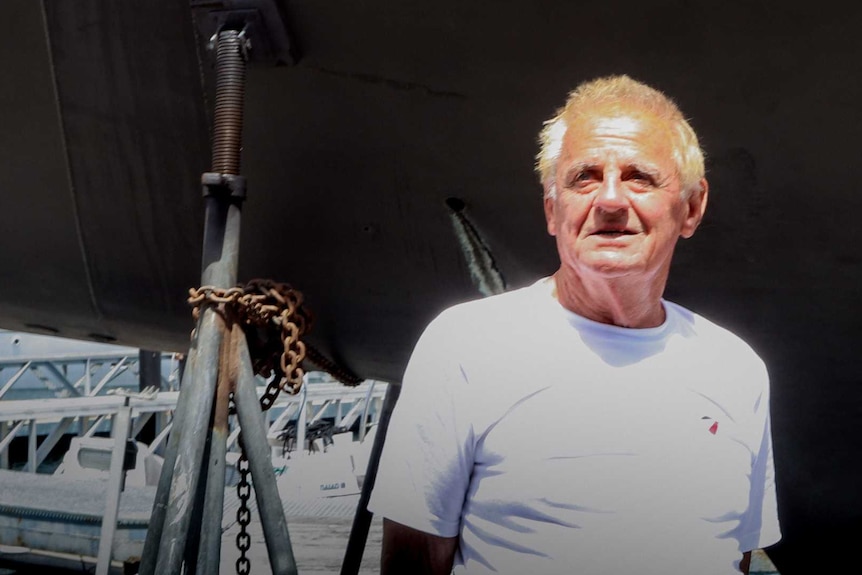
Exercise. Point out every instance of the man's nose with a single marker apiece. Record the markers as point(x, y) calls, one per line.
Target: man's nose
point(611, 195)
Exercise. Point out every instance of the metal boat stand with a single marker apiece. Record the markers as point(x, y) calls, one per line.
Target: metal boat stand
point(184, 533)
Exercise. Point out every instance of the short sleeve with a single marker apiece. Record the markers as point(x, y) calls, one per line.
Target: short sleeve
point(760, 527)
point(427, 457)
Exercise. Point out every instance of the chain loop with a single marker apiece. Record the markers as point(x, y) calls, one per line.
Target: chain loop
point(274, 319)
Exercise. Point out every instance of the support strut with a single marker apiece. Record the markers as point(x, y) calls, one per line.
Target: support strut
point(184, 533)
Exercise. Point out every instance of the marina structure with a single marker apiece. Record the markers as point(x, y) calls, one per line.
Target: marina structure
point(65, 493)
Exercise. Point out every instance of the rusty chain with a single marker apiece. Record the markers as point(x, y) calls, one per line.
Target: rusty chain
point(274, 319)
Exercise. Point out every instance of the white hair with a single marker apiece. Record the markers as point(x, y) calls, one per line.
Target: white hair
point(620, 93)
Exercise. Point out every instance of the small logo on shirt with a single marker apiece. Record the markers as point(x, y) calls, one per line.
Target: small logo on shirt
point(713, 429)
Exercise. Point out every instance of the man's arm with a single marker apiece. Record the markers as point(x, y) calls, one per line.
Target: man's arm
point(746, 561)
point(408, 551)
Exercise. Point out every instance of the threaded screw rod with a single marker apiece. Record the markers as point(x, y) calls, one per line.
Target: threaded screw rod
point(230, 97)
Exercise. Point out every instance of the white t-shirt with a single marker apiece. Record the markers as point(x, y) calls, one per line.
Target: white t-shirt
point(554, 444)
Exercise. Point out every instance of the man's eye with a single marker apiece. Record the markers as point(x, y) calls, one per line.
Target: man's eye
point(640, 177)
point(585, 176)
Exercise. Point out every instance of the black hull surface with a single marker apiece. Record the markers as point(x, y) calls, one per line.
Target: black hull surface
point(394, 107)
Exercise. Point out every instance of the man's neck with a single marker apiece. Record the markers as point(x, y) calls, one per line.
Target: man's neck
point(625, 301)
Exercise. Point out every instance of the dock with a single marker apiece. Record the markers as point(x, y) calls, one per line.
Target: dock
point(319, 528)
point(51, 512)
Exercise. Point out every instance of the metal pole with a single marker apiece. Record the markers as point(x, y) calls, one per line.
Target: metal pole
point(269, 505)
point(181, 370)
point(196, 428)
point(170, 520)
point(149, 376)
point(87, 376)
point(120, 426)
point(363, 428)
point(193, 537)
point(149, 369)
point(32, 440)
point(4, 453)
point(362, 517)
point(209, 551)
point(302, 419)
point(185, 401)
point(15, 378)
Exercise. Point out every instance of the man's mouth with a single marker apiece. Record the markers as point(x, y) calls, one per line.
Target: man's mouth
point(613, 232)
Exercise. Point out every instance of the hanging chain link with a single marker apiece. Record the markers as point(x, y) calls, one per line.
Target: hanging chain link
point(243, 513)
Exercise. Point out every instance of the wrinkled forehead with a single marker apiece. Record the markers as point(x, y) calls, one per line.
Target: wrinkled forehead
point(625, 133)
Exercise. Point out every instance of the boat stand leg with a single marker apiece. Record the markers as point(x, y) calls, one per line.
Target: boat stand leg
point(189, 459)
point(186, 486)
point(160, 505)
point(257, 450)
point(209, 551)
point(196, 525)
point(362, 517)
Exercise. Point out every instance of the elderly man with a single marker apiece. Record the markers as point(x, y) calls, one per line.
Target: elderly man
point(584, 424)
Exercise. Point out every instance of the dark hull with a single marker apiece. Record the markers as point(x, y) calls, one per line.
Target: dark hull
point(392, 108)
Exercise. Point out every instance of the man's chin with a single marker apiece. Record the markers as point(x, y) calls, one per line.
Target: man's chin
point(612, 267)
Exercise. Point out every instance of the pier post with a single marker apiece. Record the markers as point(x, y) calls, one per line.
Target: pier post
point(150, 376)
point(362, 518)
point(32, 441)
point(116, 481)
point(4, 453)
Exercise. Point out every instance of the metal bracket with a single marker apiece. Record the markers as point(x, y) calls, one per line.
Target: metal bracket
point(223, 184)
point(262, 22)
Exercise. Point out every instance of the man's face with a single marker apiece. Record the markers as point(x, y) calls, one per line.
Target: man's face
point(618, 209)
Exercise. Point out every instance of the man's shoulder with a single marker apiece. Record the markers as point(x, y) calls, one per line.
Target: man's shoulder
point(486, 326)
point(711, 335)
point(514, 305)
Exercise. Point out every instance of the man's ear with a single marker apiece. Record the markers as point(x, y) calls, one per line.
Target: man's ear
point(549, 208)
point(696, 206)
point(550, 205)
